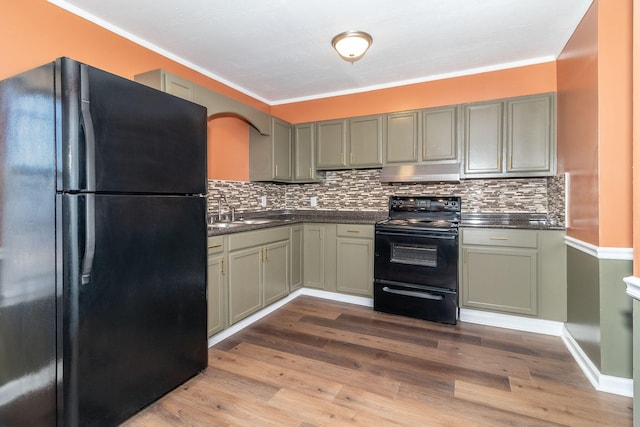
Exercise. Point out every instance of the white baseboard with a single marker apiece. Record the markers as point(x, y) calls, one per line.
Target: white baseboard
point(525, 324)
point(605, 383)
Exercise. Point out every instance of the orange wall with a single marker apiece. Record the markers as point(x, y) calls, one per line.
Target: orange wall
point(615, 31)
point(595, 125)
point(228, 139)
point(478, 87)
point(577, 129)
point(636, 139)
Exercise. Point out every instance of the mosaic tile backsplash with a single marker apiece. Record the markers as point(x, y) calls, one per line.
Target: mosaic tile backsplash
point(362, 190)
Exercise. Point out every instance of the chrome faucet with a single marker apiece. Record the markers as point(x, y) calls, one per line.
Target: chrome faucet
point(231, 209)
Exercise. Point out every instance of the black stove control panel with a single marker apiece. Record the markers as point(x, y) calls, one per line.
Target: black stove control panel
point(424, 204)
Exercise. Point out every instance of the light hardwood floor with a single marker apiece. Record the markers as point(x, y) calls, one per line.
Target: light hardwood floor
point(315, 362)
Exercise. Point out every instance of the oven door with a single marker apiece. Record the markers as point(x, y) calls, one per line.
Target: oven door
point(417, 257)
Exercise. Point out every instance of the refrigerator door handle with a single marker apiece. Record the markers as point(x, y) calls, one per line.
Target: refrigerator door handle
point(87, 124)
point(89, 237)
point(90, 170)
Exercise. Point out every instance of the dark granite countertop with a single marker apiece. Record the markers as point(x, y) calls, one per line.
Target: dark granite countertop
point(288, 217)
point(528, 221)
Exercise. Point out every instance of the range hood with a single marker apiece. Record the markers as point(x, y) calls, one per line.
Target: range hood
point(447, 172)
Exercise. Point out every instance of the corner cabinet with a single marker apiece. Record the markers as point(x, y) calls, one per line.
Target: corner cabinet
point(354, 259)
point(509, 138)
point(167, 82)
point(511, 271)
point(270, 156)
point(349, 143)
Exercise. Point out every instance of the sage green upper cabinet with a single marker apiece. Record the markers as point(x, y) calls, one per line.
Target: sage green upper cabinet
point(332, 144)
point(512, 137)
point(439, 135)
point(483, 138)
point(304, 152)
point(401, 135)
point(365, 141)
point(531, 134)
point(167, 82)
point(349, 143)
point(425, 136)
point(270, 156)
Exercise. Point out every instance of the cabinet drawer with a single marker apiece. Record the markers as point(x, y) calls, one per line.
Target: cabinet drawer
point(248, 239)
point(355, 230)
point(500, 237)
point(215, 245)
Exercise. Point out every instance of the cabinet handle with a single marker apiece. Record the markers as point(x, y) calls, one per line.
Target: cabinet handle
point(510, 162)
point(266, 254)
point(222, 266)
point(498, 238)
point(353, 231)
point(276, 174)
point(310, 173)
point(214, 246)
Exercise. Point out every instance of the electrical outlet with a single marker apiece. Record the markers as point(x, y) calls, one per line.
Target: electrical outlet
point(313, 200)
point(263, 201)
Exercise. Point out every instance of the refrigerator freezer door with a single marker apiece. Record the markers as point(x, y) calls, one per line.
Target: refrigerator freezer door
point(137, 328)
point(137, 139)
point(27, 251)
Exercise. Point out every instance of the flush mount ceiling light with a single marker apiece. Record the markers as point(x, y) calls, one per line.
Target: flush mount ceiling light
point(352, 45)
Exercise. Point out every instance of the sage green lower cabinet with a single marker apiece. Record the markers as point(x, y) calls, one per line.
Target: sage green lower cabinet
point(216, 285)
point(314, 255)
point(297, 241)
point(511, 271)
point(245, 287)
point(354, 259)
point(258, 271)
point(275, 271)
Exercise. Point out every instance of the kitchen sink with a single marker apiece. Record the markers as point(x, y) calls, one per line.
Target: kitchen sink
point(226, 224)
point(257, 221)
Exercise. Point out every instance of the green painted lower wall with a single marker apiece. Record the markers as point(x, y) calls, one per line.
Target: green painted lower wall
point(636, 365)
point(599, 312)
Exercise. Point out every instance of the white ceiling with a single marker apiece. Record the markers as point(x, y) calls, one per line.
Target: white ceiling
point(280, 51)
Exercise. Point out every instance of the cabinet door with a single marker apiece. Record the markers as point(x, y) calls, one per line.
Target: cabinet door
point(502, 279)
point(401, 137)
point(355, 266)
point(331, 144)
point(215, 294)
point(483, 138)
point(282, 147)
point(439, 136)
point(313, 256)
point(244, 276)
point(296, 257)
point(178, 86)
point(304, 152)
point(275, 268)
point(365, 141)
point(530, 134)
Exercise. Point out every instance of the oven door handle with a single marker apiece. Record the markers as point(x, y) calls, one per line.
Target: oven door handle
point(443, 236)
point(424, 295)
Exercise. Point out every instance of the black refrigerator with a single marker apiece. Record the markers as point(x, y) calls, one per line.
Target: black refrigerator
point(102, 246)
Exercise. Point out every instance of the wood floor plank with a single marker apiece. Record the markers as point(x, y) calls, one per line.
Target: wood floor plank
point(315, 362)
